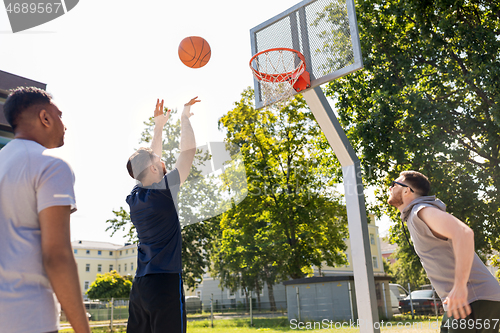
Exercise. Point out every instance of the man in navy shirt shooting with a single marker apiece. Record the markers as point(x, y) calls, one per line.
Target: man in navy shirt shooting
point(157, 295)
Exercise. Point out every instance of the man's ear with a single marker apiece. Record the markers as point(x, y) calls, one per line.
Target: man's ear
point(153, 168)
point(44, 117)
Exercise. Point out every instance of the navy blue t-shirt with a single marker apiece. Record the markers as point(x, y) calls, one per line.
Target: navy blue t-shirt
point(154, 215)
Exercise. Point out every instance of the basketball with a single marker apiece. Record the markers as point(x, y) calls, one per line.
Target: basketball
point(194, 52)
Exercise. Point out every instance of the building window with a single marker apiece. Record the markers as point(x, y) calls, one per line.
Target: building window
point(126, 251)
point(110, 253)
point(99, 252)
point(110, 268)
point(242, 293)
point(99, 268)
point(87, 252)
point(119, 268)
point(372, 239)
point(124, 267)
point(375, 262)
point(86, 285)
point(75, 251)
point(120, 252)
point(230, 294)
point(87, 267)
point(132, 266)
point(133, 250)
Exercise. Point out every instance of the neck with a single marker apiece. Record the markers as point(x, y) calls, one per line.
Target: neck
point(27, 136)
point(402, 207)
point(148, 181)
point(407, 200)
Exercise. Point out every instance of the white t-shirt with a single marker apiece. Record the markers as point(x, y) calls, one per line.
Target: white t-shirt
point(30, 181)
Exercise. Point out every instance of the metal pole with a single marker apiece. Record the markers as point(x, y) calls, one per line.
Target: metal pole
point(298, 301)
point(112, 308)
point(350, 301)
point(364, 281)
point(411, 302)
point(251, 314)
point(212, 309)
point(385, 303)
point(434, 300)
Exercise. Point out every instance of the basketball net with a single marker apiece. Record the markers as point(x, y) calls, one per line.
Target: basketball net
point(277, 71)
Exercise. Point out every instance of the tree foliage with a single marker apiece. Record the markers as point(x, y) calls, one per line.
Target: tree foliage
point(109, 285)
point(291, 219)
point(428, 99)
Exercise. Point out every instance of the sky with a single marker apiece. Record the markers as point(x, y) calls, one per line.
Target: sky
point(106, 63)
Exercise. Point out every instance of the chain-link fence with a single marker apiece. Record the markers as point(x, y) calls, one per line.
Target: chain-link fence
point(117, 308)
point(240, 307)
point(104, 310)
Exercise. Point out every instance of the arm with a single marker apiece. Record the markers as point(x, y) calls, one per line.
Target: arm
point(444, 225)
point(160, 121)
point(188, 142)
point(60, 265)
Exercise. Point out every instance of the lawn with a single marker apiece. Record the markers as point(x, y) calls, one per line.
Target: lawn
point(281, 325)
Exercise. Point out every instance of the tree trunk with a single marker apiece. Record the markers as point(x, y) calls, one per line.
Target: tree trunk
point(271, 297)
point(259, 288)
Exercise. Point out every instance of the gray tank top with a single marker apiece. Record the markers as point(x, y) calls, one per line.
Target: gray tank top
point(438, 259)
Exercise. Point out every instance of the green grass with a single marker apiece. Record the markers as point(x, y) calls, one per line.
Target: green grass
point(282, 325)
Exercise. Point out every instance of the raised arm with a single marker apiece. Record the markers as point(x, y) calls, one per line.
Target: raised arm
point(188, 142)
point(160, 121)
point(444, 225)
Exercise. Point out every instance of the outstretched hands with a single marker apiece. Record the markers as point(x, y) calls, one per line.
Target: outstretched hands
point(160, 118)
point(186, 112)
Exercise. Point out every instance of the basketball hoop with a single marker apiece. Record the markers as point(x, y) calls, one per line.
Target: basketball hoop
point(281, 73)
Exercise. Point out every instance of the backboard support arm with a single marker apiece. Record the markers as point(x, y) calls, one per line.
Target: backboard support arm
point(356, 211)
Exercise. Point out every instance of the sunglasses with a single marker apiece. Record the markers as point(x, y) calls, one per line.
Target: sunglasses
point(400, 184)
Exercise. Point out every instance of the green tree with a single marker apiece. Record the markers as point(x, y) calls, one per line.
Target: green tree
point(292, 219)
point(109, 285)
point(428, 99)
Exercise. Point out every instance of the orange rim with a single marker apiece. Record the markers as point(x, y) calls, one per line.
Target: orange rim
point(279, 77)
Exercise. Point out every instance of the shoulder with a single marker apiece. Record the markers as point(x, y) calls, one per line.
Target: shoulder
point(40, 159)
point(40, 154)
point(427, 211)
point(437, 220)
point(49, 162)
point(173, 178)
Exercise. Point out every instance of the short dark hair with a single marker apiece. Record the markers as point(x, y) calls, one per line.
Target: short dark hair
point(22, 98)
point(139, 162)
point(417, 181)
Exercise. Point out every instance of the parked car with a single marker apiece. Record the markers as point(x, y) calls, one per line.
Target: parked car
point(193, 304)
point(423, 302)
point(397, 293)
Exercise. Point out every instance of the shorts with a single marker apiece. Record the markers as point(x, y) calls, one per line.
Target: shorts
point(484, 318)
point(157, 304)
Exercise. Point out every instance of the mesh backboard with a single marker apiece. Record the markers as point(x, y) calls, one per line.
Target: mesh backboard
point(324, 31)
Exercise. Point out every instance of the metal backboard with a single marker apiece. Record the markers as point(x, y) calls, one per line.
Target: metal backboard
point(324, 31)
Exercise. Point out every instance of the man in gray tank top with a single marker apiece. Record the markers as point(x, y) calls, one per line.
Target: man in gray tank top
point(445, 245)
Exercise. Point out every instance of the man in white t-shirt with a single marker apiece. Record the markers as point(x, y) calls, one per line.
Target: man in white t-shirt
point(36, 200)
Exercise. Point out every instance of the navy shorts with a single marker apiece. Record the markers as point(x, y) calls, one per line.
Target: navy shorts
point(157, 304)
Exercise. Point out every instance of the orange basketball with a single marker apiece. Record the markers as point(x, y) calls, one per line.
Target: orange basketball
point(194, 52)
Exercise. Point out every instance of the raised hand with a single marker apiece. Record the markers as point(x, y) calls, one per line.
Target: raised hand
point(160, 118)
point(186, 112)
